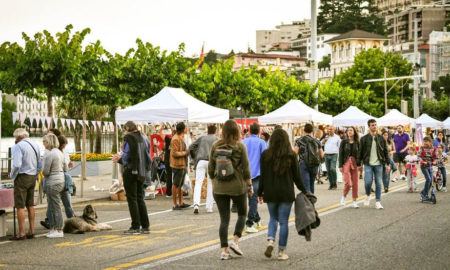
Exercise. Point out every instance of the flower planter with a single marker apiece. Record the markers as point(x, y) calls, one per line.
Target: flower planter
point(93, 168)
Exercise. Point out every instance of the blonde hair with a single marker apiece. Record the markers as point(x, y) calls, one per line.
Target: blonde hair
point(318, 134)
point(20, 133)
point(412, 148)
point(52, 141)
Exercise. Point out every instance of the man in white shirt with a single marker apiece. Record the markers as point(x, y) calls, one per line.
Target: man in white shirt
point(331, 143)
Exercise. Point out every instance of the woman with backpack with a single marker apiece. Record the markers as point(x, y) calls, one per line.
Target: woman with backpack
point(229, 170)
point(279, 173)
point(349, 164)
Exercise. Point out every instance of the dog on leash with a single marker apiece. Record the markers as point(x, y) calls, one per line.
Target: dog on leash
point(86, 223)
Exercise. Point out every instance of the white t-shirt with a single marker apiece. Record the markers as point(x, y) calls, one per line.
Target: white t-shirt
point(332, 144)
point(411, 159)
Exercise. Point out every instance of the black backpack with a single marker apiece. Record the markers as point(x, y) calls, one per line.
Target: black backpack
point(224, 165)
point(312, 158)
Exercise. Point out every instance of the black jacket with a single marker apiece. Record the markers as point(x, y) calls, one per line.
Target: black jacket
point(382, 150)
point(344, 152)
point(279, 188)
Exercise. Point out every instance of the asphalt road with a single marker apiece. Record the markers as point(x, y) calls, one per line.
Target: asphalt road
point(407, 234)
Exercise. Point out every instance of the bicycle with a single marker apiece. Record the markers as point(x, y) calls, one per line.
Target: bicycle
point(439, 179)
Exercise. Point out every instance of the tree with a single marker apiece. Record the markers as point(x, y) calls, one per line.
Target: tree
point(341, 16)
point(211, 57)
point(335, 98)
point(325, 63)
point(42, 68)
point(437, 109)
point(370, 64)
point(8, 126)
point(441, 88)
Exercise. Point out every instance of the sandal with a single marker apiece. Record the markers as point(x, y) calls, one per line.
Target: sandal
point(30, 235)
point(17, 238)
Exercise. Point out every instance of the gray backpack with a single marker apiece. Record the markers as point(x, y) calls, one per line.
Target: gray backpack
point(224, 165)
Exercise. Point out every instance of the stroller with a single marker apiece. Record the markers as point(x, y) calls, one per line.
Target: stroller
point(158, 173)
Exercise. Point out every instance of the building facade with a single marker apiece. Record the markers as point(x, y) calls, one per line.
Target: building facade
point(265, 61)
point(303, 45)
point(284, 33)
point(29, 105)
point(392, 6)
point(401, 25)
point(345, 47)
point(439, 54)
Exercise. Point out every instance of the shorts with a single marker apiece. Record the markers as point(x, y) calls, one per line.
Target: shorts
point(24, 190)
point(399, 157)
point(178, 176)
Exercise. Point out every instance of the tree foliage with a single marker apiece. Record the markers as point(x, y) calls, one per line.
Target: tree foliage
point(8, 126)
point(438, 109)
point(370, 64)
point(341, 16)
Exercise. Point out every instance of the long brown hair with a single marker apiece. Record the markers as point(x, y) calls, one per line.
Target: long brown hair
point(230, 132)
point(355, 134)
point(280, 151)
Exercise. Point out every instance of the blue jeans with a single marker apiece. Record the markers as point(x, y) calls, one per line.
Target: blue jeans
point(66, 201)
point(386, 177)
point(253, 215)
point(279, 213)
point(371, 172)
point(330, 163)
point(309, 176)
point(428, 174)
point(444, 176)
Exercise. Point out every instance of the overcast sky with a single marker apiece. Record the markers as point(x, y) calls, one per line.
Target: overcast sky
point(222, 25)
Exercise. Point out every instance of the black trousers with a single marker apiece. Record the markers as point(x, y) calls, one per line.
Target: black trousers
point(168, 180)
point(135, 199)
point(223, 204)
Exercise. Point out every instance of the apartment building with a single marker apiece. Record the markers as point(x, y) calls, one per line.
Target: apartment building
point(401, 25)
point(392, 6)
point(284, 33)
point(264, 61)
point(439, 54)
point(303, 45)
point(29, 105)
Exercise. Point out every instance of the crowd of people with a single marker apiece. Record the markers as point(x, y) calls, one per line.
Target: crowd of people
point(242, 171)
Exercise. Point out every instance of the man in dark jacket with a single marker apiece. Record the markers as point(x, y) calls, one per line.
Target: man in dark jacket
point(136, 162)
point(374, 154)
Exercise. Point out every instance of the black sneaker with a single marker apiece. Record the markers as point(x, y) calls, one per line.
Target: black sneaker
point(145, 231)
point(132, 232)
point(177, 207)
point(45, 224)
point(185, 205)
point(386, 190)
point(196, 209)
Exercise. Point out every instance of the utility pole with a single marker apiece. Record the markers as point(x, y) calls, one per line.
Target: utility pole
point(314, 63)
point(385, 91)
point(416, 80)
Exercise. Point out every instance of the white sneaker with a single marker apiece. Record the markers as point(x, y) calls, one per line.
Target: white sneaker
point(343, 201)
point(378, 205)
point(394, 179)
point(367, 201)
point(50, 232)
point(55, 234)
point(209, 210)
point(444, 189)
point(235, 248)
point(355, 205)
point(251, 229)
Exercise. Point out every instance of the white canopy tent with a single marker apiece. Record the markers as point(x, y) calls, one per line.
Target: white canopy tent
point(446, 123)
point(351, 117)
point(395, 118)
point(172, 105)
point(295, 111)
point(427, 121)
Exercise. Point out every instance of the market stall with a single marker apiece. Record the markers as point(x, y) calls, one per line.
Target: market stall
point(351, 117)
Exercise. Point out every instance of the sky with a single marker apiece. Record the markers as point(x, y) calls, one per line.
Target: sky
point(221, 25)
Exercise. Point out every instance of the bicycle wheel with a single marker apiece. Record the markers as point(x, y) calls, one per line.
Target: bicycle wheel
point(439, 183)
point(433, 198)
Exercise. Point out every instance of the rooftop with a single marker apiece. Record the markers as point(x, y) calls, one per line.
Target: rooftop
point(270, 56)
point(358, 34)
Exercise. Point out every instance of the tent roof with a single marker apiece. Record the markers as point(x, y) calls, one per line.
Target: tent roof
point(446, 123)
point(394, 118)
point(172, 105)
point(295, 111)
point(351, 117)
point(427, 121)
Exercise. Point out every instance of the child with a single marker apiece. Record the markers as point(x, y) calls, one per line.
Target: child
point(411, 169)
point(440, 162)
point(427, 155)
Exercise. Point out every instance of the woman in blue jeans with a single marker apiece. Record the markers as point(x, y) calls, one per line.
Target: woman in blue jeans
point(279, 173)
